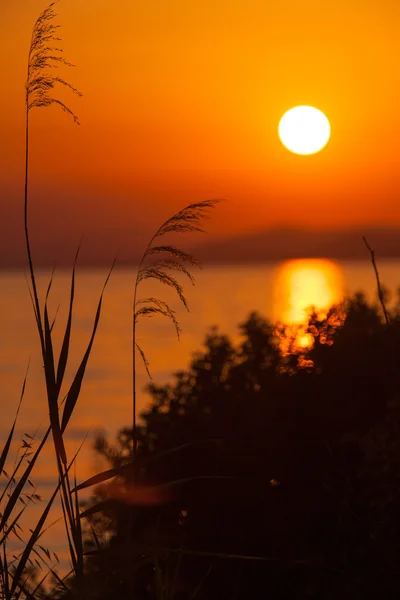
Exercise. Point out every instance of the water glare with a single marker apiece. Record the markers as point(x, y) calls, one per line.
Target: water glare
point(305, 284)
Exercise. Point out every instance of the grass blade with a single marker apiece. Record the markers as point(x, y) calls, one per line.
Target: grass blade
point(121, 470)
point(60, 581)
point(71, 548)
point(21, 483)
point(62, 363)
point(10, 528)
point(75, 388)
point(96, 539)
point(6, 573)
point(35, 535)
point(39, 585)
point(52, 395)
point(78, 531)
point(37, 316)
point(49, 360)
point(100, 506)
point(13, 476)
point(104, 476)
point(6, 448)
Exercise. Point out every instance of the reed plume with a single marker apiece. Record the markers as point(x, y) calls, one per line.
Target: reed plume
point(170, 261)
point(43, 56)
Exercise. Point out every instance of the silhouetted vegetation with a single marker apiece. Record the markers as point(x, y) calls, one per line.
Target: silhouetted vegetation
point(19, 577)
point(267, 469)
point(263, 470)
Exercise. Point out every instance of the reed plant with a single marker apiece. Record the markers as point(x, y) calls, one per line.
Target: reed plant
point(44, 56)
point(169, 260)
point(17, 489)
point(19, 567)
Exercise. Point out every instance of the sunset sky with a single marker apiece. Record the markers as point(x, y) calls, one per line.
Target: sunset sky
point(182, 101)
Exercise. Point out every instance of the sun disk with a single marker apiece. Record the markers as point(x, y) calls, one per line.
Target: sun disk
point(304, 130)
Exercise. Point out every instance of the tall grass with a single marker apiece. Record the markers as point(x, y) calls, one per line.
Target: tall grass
point(169, 259)
point(17, 489)
point(44, 55)
point(380, 291)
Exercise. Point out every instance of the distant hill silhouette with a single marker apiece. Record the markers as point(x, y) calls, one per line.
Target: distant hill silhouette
point(270, 244)
point(286, 243)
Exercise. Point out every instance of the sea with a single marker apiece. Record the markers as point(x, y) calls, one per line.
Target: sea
point(223, 296)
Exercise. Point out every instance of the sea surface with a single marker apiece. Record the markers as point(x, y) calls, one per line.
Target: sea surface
point(223, 296)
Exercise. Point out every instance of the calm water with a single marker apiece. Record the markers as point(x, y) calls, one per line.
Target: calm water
point(223, 296)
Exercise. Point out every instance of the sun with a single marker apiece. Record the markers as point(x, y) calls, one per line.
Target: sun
point(304, 130)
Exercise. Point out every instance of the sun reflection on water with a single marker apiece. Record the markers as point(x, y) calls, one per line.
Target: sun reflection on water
point(304, 284)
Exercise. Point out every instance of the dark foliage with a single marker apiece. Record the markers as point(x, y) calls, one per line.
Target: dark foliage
point(275, 471)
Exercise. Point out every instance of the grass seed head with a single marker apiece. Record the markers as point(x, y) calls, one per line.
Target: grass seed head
point(170, 258)
point(44, 56)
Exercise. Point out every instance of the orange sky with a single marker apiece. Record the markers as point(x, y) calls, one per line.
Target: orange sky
point(181, 103)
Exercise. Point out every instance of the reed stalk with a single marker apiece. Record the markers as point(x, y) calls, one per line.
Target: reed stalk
point(169, 259)
point(43, 56)
point(378, 281)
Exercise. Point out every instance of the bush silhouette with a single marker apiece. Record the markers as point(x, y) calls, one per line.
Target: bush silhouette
point(277, 470)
